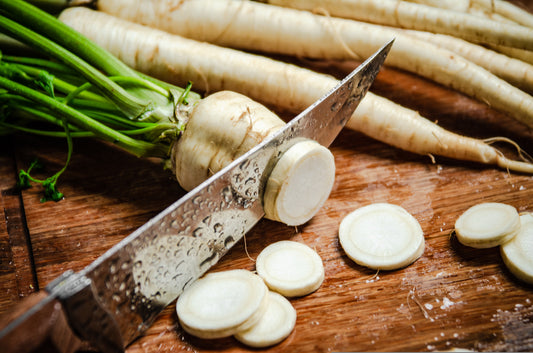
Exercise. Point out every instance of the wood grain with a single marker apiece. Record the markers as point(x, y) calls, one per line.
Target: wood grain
point(17, 276)
point(453, 296)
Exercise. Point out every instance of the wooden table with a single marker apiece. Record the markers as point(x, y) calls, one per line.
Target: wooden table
point(453, 296)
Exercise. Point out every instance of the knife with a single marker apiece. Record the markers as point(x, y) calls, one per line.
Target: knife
point(117, 297)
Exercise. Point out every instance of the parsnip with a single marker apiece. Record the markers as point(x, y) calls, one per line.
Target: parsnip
point(398, 13)
point(290, 268)
point(502, 10)
point(176, 59)
point(304, 167)
point(487, 224)
point(222, 127)
point(275, 325)
point(517, 253)
point(220, 304)
point(506, 10)
point(381, 236)
point(255, 26)
point(238, 303)
point(520, 54)
point(514, 71)
point(456, 5)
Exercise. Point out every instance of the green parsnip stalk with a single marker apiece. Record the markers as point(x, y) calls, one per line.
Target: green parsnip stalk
point(132, 105)
point(77, 89)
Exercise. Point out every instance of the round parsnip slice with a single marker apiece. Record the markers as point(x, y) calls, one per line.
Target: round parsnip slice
point(517, 253)
point(381, 236)
point(300, 183)
point(488, 224)
point(221, 304)
point(275, 325)
point(290, 268)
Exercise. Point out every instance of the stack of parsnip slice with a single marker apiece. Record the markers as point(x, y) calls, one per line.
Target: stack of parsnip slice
point(493, 224)
point(252, 308)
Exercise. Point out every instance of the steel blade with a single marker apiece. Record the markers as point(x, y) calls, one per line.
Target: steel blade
point(119, 295)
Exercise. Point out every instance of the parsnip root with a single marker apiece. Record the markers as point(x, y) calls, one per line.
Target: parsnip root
point(208, 144)
point(300, 183)
point(275, 325)
point(402, 14)
point(381, 236)
point(290, 268)
point(220, 304)
point(500, 10)
point(488, 224)
point(171, 57)
point(517, 253)
point(514, 71)
point(255, 26)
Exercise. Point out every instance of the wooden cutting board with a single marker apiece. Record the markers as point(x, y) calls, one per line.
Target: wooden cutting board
point(453, 296)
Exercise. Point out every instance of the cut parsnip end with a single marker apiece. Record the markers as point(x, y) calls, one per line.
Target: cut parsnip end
point(300, 183)
point(486, 225)
point(275, 325)
point(222, 127)
point(290, 268)
point(381, 236)
point(517, 253)
point(222, 303)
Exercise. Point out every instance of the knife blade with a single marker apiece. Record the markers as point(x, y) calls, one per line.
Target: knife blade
point(117, 297)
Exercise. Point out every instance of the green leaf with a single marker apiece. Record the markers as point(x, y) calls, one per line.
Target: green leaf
point(50, 190)
point(24, 176)
point(23, 181)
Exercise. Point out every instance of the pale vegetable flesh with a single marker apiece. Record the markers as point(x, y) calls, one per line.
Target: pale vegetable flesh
point(517, 253)
point(300, 183)
point(222, 127)
point(221, 304)
point(381, 236)
point(487, 224)
point(290, 268)
point(275, 325)
point(250, 25)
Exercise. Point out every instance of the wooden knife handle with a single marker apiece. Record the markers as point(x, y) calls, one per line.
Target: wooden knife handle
point(44, 330)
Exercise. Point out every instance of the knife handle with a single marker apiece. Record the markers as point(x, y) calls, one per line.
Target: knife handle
point(38, 324)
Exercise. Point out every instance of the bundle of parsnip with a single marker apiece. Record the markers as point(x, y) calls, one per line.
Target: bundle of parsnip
point(73, 88)
point(163, 52)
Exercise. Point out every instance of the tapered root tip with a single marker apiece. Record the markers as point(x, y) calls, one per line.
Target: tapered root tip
point(515, 166)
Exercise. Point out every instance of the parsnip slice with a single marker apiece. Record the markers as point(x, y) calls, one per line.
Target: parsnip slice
point(221, 304)
point(517, 253)
point(290, 268)
point(488, 224)
point(275, 325)
point(300, 183)
point(381, 236)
